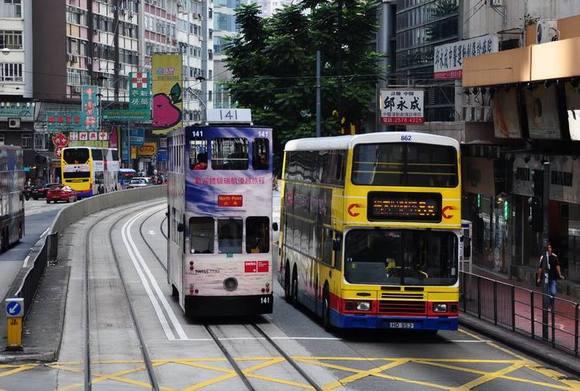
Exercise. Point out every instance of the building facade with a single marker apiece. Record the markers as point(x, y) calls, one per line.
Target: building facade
point(421, 25)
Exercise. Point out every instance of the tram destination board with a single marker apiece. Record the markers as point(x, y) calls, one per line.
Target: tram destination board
point(393, 206)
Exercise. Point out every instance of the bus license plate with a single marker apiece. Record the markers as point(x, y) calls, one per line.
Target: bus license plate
point(401, 325)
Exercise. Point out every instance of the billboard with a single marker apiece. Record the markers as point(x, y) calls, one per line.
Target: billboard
point(573, 110)
point(542, 112)
point(400, 107)
point(506, 117)
point(167, 92)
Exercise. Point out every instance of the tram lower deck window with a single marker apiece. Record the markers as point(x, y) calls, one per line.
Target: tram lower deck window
point(202, 235)
point(257, 235)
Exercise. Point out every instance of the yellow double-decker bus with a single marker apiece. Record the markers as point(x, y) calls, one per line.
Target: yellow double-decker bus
point(89, 171)
point(370, 230)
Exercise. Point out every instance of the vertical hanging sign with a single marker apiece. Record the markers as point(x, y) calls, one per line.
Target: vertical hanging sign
point(90, 113)
point(167, 92)
point(140, 95)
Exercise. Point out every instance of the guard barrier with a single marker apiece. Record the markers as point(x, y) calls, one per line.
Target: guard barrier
point(522, 310)
point(26, 283)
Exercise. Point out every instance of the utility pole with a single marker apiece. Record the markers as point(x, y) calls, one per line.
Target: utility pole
point(204, 54)
point(318, 103)
point(545, 240)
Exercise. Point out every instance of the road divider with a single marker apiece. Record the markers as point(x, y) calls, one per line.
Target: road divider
point(26, 283)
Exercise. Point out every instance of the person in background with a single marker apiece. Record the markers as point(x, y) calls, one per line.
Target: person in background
point(201, 161)
point(549, 271)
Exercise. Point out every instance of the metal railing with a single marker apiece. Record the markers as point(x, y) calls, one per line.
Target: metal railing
point(525, 311)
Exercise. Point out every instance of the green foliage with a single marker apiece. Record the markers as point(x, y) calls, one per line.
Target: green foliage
point(273, 62)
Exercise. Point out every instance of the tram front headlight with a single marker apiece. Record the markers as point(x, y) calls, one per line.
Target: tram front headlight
point(363, 306)
point(439, 307)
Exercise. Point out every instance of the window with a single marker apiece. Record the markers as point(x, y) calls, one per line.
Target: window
point(76, 155)
point(261, 154)
point(229, 153)
point(257, 235)
point(230, 236)
point(10, 72)
point(2, 138)
point(97, 154)
point(11, 39)
point(10, 9)
point(405, 164)
point(27, 141)
point(202, 235)
point(198, 154)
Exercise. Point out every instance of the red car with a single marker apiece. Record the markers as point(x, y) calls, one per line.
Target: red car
point(60, 193)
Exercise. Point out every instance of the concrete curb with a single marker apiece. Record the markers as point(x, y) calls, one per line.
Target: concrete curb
point(533, 348)
point(66, 217)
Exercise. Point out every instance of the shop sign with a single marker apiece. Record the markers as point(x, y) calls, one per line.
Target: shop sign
point(147, 149)
point(137, 137)
point(167, 92)
point(127, 115)
point(448, 58)
point(399, 107)
point(140, 91)
point(506, 116)
point(22, 110)
point(90, 111)
point(162, 155)
point(59, 141)
point(57, 121)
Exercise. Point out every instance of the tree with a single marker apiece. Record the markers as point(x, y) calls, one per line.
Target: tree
point(272, 61)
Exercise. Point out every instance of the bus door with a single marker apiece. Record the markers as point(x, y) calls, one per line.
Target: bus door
point(465, 261)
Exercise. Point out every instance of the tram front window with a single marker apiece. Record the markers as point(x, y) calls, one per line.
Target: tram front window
point(401, 257)
point(202, 235)
point(230, 236)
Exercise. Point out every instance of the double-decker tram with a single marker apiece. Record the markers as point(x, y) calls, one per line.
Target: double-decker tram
point(11, 196)
point(370, 228)
point(219, 219)
point(89, 171)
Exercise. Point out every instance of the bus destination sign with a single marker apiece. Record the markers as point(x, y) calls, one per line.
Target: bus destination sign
point(225, 201)
point(391, 206)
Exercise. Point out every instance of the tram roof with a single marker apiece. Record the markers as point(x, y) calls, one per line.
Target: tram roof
point(346, 142)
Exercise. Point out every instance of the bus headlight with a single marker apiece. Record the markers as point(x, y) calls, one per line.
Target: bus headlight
point(439, 307)
point(363, 306)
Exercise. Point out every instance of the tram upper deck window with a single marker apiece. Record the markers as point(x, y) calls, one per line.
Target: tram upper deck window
point(198, 154)
point(257, 235)
point(229, 153)
point(260, 155)
point(202, 235)
point(76, 155)
point(230, 236)
point(405, 164)
point(97, 154)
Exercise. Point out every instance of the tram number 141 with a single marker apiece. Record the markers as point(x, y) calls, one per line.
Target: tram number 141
point(265, 300)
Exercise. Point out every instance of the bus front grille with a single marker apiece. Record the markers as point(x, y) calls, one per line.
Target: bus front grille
point(414, 296)
point(389, 307)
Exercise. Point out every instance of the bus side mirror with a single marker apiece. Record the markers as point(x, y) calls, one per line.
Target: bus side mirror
point(180, 227)
point(275, 226)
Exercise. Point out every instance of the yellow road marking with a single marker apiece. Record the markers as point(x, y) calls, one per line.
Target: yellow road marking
point(490, 376)
point(21, 368)
point(365, 373)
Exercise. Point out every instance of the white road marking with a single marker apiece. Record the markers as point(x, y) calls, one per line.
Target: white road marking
point(172, 317)
point(262, 339)
point(25, 264)
point(469, 341)
point(162, 319)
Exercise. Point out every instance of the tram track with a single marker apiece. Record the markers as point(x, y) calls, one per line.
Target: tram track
point(218, 341)
point(87, 313)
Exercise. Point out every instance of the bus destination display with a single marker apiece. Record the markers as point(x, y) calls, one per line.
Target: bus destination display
point(390, 206)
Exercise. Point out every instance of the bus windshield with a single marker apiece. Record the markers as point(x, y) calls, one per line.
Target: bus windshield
point(76, 155)
point(401, 257)
point(405, 164)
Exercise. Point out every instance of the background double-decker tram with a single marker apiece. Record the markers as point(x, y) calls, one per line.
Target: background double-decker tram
point(220, 220)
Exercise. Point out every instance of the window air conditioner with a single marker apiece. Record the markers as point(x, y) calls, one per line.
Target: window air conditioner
point(14, 123)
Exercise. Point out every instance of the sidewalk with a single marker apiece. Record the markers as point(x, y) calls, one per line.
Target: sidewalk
point(517, 306)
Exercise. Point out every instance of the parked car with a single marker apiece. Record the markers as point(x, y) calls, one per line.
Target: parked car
point(139, 182)
point(60, 193)
point(40, 191)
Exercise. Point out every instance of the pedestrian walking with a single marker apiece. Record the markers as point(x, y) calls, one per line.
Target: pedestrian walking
point(549, 271)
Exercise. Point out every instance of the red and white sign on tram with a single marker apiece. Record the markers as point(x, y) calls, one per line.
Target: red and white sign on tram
point(399, 107)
